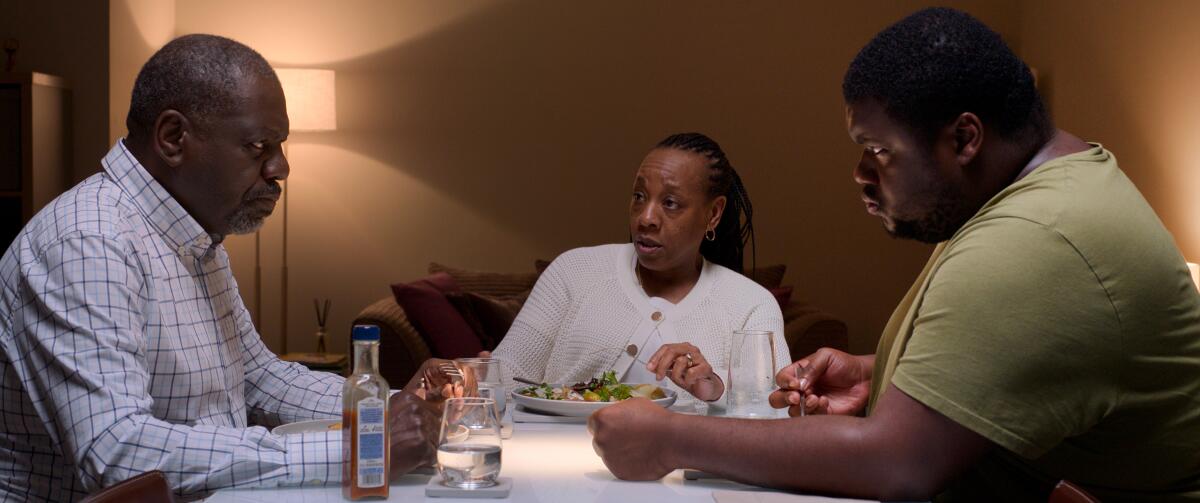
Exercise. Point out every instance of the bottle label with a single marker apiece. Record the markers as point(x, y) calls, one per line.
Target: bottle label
point(371, 441)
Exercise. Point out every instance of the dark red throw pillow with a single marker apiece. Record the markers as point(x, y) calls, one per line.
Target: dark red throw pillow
point(447, 334)
point(782, 295)
point(490, 316)
point(463, 305)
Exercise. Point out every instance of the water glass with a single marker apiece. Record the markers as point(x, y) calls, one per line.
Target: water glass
point(490, 379)
point(751, 374)
point(468, 454)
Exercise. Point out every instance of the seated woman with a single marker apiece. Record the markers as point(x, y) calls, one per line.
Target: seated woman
point(666, 304)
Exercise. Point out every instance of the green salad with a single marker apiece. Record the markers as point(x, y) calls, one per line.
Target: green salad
point(602, 389)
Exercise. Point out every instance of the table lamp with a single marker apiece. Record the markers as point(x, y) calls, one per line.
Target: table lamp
point(311, 106)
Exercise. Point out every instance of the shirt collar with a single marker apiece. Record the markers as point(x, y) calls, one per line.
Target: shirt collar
point(165, 214)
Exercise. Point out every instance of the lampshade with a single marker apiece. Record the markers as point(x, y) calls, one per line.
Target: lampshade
point(311, 99)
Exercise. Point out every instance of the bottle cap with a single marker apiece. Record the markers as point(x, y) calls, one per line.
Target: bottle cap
point(365, 333)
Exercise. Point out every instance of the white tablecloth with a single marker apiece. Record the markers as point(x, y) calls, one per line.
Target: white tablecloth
point(548, 463)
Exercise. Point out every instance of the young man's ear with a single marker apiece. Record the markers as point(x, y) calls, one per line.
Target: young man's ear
point(968, 137)
point(171, 132)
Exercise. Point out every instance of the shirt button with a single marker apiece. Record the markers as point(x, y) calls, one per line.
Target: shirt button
point(657, 316)
point(631, 350)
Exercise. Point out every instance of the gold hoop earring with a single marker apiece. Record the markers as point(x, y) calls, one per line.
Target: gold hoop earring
point(710, 235)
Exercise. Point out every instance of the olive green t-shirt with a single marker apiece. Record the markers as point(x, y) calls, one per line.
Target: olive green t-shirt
point(1061, 323)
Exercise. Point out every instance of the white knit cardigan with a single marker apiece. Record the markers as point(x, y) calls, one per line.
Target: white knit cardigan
point(588, 308)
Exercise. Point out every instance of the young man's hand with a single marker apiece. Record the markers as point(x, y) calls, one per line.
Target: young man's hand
point(826, 382)
point(630, 438)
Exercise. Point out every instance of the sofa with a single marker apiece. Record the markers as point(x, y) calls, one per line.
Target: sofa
point(484, 304)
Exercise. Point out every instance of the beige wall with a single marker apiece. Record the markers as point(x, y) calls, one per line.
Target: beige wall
point(137, 29)
point(70, 40)
point(488, 134)
point(1126, 74)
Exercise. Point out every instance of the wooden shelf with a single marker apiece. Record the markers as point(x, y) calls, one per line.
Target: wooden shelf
point(34, 123)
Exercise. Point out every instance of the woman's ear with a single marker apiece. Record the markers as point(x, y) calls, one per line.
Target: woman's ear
point(171, 132)
point(716, 210)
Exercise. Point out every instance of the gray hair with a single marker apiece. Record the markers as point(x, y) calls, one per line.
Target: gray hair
point(198, 75)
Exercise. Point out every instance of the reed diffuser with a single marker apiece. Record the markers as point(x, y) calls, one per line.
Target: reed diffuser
point(322, 318)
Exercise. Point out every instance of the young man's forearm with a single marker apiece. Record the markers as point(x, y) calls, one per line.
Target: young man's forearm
point(821, 454)
point(905, 451)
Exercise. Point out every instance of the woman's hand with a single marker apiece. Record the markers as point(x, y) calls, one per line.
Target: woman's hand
point(826, 382)
point(688, 369)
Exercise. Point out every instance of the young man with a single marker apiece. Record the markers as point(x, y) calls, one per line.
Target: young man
point(125, 346)
point(1052, 335)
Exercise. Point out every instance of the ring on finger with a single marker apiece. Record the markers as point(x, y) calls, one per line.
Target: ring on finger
point(691, 362)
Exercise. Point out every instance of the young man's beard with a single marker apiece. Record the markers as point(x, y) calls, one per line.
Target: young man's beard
point(946, 215)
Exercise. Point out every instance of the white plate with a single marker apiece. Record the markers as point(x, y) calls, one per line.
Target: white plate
point(314, 426)
point(575, 408)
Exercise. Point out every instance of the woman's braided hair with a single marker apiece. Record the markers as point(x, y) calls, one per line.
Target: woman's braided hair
point(737, 225)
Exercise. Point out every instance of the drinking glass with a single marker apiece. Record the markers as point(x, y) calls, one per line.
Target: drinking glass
point(751, 374)
point(490, 379)
point(468, 454)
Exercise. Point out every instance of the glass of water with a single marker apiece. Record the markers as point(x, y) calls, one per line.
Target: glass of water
point(751, 374)
point(489, 376)
point(468, 454)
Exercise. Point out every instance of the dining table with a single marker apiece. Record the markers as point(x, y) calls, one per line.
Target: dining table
point(548, 463)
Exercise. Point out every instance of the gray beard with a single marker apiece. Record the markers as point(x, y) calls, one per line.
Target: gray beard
point(245, 220)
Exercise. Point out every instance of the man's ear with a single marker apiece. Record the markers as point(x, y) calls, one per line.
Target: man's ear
point(968, 137)
point(171, 133)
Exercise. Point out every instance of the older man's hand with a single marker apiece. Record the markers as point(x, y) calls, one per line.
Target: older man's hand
point(439, 379)
point(415, 413)
point(414, 424)
point(630, 438)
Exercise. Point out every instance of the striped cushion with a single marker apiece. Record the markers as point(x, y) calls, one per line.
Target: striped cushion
point(495, 284)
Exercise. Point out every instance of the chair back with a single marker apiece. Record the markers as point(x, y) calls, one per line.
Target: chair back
point(1066, 492)
point(149, 487)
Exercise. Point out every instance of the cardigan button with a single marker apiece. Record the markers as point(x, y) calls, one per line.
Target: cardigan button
point(657, 316)
point(631, 350)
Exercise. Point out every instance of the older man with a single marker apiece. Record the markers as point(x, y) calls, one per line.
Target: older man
point(1053, 334)
point(125, 344)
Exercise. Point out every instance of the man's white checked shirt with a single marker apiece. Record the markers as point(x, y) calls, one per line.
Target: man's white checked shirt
point(125, 347)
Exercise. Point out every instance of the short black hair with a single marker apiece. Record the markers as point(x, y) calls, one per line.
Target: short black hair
point(198, 75)
point(938, 63)
point(736, 227)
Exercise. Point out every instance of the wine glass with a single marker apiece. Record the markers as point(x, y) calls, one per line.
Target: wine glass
point(468, 454)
